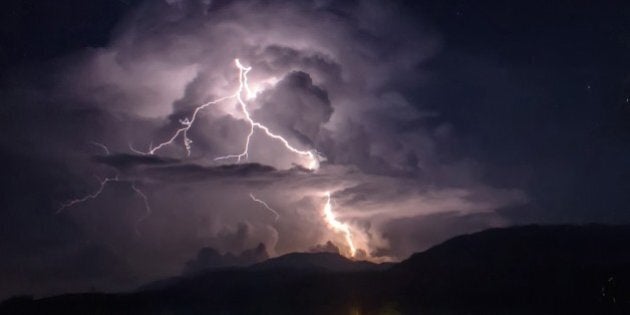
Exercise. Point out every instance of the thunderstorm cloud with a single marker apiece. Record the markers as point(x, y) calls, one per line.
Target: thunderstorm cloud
point(327, 76)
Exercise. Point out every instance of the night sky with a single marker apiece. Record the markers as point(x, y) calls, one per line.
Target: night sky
point(429, 119)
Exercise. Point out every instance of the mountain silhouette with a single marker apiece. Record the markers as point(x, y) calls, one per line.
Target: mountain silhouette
point(325, 262)
point(210, 258)
point(541, 267)
point(519, 270)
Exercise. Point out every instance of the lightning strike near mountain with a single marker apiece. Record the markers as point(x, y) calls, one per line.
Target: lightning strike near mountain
point(266, 206)
point(333, 223)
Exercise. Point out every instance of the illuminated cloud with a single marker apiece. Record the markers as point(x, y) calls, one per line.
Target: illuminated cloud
point(326, 76)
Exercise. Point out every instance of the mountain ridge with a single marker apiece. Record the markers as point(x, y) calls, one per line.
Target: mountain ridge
point(530, 269)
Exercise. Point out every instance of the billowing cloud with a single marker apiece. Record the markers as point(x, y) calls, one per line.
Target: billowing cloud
point(327, 76)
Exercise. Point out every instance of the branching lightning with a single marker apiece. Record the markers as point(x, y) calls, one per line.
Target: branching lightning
point(265, 205)
point(93, 195)
point(312, 156)
point(102, 184)
point(332, 221)
point(187, 123)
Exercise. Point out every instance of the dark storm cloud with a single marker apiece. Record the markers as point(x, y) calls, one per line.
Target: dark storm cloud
point(194, 172)
point(328, 76)
point(124, 161)
point(295, 107)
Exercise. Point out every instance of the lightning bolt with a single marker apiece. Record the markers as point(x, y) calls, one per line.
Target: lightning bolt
point(87, 197)
point(187, 123)
point(102, 146)
point(333, 223)
point(313, 156)
point(145, 200)
point(102, 184)
point(101, 187)
point(265, 205)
